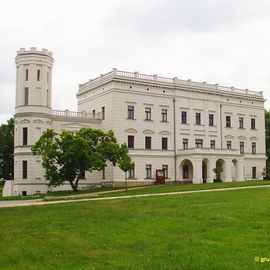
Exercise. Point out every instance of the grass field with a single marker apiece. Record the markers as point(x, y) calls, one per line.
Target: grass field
point(217, 230)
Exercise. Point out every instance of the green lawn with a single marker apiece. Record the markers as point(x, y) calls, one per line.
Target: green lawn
point(217, 230)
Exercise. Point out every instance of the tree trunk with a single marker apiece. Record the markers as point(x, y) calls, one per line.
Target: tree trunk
point(74, 186)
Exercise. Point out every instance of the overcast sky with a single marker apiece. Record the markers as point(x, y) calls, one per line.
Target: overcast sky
point(217, 41)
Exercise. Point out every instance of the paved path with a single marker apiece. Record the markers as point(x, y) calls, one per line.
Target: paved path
point(40, 202)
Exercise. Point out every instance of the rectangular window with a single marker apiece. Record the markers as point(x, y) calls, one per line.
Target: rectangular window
point(241, 122)
point(26, 74)
point(94, 113)
point(131, 142)
point(253, 146)
point(229, 145)
point(25, 136)
point(185, 172)
point(24, 169)
point(213, 144)
point(130, 112)
point(253, 123)
point(165, 169)
point(228, 121)
point(199, 143)
point(185, 143)
point(254, 172)
point(211, 119)
point(48, 76)
point(103, 173)
point(26, 95)
point(198, 118)
point(131, 173)
point(184, 117)
point(164, 142)
point(164, 115)
point(147, 113)
point(242, 147)
point(148, 142)
point(103, 113)
point(148, 171)
point(38, 75)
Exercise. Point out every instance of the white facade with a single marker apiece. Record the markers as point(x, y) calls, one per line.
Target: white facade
point(198, 125)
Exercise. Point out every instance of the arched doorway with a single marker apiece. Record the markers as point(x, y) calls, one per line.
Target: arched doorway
point(234, 170)
point(205, 172)
point(186, 170)
point(219, 170)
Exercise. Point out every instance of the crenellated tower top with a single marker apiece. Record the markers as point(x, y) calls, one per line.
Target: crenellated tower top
point(34, 80)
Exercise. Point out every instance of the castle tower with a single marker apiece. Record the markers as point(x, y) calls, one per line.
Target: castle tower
point(33, 115)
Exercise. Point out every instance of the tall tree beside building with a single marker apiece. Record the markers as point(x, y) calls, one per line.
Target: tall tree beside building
point(68, 155)
point(7, 150)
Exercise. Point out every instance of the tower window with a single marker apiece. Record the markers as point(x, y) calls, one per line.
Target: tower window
point(198, 118)
point(26, 93)
point(211, 119)
point(26, 74)
point(24, 169)
point(25, 136)
point(47, 98)
point(103, 112)
point(38, 75)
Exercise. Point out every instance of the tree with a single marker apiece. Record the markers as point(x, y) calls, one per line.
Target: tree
point(66, 156)
point(7, 150)
point(125, 163)
point(218, 170)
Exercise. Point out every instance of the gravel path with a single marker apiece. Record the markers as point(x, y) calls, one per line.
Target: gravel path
point(41, 202)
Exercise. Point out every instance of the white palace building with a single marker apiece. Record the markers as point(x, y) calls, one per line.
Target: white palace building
point(185, 128)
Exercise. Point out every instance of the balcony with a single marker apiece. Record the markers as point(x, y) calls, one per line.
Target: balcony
point(207, 151)
point(76, 115)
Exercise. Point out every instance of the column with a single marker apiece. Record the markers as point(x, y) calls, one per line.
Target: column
point(197, 171)
point(210, 174)
point(227, 171)
point(240, 171)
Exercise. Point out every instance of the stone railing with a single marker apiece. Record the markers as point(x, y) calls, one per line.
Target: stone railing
point(68, 113)
point(168, 81)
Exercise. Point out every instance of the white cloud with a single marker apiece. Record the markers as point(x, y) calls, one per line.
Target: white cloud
point(223, 42)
